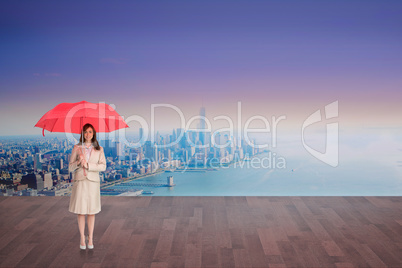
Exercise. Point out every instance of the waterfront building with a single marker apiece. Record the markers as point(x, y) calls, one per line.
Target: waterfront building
point(170, 181)
point(29, 192)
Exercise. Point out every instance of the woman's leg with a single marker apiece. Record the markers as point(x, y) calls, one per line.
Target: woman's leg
point(91, 225)
point(81, 227)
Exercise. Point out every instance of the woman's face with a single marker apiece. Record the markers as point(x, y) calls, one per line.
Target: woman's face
point(88, 134)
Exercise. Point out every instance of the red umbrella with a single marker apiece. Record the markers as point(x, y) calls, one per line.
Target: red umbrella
point(71, 117)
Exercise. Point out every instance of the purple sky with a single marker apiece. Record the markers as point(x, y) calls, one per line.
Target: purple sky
point(276, 57)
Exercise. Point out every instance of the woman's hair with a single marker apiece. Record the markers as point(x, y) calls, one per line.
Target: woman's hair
point(94, 140)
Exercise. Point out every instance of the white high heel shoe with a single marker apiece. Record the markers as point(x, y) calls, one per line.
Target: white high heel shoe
point(90, 246)
point(83, 247)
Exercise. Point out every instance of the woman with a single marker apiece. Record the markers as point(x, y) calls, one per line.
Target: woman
point(87, 160)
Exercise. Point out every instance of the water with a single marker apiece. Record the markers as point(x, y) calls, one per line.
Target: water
point(306, 179)
point(365, 168)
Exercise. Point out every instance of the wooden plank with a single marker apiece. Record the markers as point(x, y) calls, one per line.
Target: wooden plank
point(146, 253)
point(255, 250)
point(209, 257)
point(112, 231)
point(17, 255)
point(268, 242)
point(179, 237)
point(237, 238)
point(332, 248)
point(163, 247)
point(193, 255)
point(241, 258)
point(223, 239)
point(226, 257)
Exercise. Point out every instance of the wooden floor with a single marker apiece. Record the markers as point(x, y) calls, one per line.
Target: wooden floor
point(205, 232)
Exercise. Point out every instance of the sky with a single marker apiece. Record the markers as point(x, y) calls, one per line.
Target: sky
point(276, 58)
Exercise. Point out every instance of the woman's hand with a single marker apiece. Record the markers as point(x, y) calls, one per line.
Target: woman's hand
point(83, 162)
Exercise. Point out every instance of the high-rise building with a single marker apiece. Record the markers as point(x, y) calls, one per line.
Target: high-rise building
point(158, 138)
point(30, 159)
point(169, 155)
point(59, 164)
point(151, 151)
point(205, 156)
point(47, 180)
point(120, 150)
point(191, 152)
point(106, 147)
point(182, 139)
point(37, 162)
point(141, 134)
point(174, 137)
point(148, 152)
point(156, 156)
point(202, 126)
point(192, 137)
point(33, 180)
point(218, 139)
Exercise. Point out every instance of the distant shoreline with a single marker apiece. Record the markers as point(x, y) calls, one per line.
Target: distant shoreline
point(163, 171)
point(131, 179)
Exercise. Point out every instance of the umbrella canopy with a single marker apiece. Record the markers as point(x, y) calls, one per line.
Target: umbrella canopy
point(71, 117)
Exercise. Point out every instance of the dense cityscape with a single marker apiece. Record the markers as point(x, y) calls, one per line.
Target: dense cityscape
point(35, 166)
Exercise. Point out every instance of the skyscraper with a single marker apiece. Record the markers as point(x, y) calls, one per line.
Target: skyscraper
point(37, 162)
point(202, 125)
point(156, 156)
point(174, 136)
point(47, 180)
point(218, 138)
point(34, 181)
point(141, 134)
point(182, 140)
point(120, 150)
point(148, 150)
point(59, 163)
point(158, 137)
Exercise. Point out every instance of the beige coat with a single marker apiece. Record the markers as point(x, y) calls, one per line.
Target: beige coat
point(96, 163)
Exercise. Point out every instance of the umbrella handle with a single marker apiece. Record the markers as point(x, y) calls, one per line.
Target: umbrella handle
point(82, 154)
point(43, 132)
